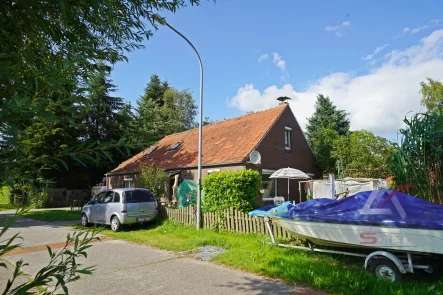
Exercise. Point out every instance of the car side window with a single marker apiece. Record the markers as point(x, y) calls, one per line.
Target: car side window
point(108, 197)
point(116, 197)
point(99, 198)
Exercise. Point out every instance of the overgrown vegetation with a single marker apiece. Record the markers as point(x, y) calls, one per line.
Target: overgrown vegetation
point(154, 179)
point(226, 189)
point(335, 274)
point(419, 157)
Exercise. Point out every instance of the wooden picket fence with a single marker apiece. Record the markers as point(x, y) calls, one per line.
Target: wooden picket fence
point(232, 220)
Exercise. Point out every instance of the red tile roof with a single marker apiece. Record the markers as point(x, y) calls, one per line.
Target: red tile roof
point(226, 141)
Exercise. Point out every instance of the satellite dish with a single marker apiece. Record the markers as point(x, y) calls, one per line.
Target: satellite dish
point(255, 157)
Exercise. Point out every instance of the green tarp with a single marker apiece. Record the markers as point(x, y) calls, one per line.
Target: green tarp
point(186, 193)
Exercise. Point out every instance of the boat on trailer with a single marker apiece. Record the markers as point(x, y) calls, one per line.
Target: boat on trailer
point(398, 232)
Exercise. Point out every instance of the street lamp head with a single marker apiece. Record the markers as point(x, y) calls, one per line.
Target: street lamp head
point(157, 18)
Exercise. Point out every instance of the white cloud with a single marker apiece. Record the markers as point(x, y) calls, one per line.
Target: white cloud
point(338, 28)
point(376, 101)
point(279, 62)
point(430, 24)
point(375, 52)
point(263, 57)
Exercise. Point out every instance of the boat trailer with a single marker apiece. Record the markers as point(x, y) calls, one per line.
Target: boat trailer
point(383, 264)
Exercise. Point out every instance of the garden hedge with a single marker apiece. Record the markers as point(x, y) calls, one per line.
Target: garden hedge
point(226, 189)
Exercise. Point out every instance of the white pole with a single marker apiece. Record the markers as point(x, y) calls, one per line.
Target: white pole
point(162, 21)
point(332, 181)
point(288, 189)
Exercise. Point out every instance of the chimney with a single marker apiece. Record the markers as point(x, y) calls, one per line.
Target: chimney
point(283, 100)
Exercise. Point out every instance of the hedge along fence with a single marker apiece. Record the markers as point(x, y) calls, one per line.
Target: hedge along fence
point(226, 189)
point(233, 220)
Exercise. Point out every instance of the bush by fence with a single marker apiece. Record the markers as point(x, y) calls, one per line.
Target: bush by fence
point(232, 219)
point(226, 189)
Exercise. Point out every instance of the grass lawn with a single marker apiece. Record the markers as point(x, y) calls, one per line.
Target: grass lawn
point(330, 273)
point(54, 215)
point(4, 207)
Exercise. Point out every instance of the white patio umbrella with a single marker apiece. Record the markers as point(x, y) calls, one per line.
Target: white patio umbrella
point(290, 173)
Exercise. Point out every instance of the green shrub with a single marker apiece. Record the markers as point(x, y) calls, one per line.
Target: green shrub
point(154, 179)
point(223, 190)
point(26, 195)
point(5, 195)
point(38, 199)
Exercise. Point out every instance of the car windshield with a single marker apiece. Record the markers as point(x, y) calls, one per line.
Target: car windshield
point(139, 196)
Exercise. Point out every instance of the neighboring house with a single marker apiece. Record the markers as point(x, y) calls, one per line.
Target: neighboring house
point(274, 133)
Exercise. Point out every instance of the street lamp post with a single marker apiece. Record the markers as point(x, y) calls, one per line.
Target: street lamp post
point(162, 21)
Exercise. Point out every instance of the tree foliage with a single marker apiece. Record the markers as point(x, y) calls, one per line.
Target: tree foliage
point(323, 127)
point(162, 111)
point(47, 54)
point(432, 94)
point(101, 111)
point(362, 154)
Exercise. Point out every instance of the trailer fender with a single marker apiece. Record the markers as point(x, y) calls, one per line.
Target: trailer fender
point(388, 255)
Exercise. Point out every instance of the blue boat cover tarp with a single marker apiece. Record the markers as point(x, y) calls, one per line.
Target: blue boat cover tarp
point(271, 209)
point(379, 208)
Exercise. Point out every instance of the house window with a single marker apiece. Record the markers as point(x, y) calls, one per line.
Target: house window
point(288, 138)
point(129, 183)
point(267, 185)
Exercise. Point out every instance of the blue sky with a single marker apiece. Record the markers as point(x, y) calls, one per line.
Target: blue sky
point(369, 57)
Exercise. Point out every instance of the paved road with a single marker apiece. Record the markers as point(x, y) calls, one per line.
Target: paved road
point(125, 268)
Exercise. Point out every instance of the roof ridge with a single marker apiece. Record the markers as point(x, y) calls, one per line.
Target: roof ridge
point(283, 106)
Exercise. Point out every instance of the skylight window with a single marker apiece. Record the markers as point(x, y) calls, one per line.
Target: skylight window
point(175, 146)
point(151, 150)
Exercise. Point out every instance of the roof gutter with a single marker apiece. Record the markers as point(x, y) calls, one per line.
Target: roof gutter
point(183, 168)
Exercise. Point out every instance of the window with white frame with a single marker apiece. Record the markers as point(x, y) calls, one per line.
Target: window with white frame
point(129, 182)
point(288, 138)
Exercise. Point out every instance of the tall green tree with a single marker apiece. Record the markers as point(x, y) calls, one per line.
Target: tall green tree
point(362, 154)
point(178, 111)
point(155, 90)
point(163, 110)
point(323, 127)
point(101, 109)
point(432, 94)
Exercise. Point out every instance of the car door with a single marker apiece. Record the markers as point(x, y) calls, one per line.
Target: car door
point(94, 204)
point(101, 206)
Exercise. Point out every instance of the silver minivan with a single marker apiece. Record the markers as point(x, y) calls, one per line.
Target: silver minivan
point(120, 206)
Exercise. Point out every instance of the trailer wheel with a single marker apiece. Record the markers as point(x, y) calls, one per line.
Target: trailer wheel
point(386, 269)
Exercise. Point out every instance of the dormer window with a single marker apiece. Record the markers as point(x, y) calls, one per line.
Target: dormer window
point(151, 150)
point(175, 146)
point(288, 138)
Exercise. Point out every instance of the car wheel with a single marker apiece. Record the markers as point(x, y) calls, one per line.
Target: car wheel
point(85, 221)
point(386, 269)
point(115, 224)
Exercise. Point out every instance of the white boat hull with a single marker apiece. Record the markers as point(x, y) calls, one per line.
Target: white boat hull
point(361, 236)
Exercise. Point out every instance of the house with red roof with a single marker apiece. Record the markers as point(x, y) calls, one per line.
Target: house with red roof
point(274, 133)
